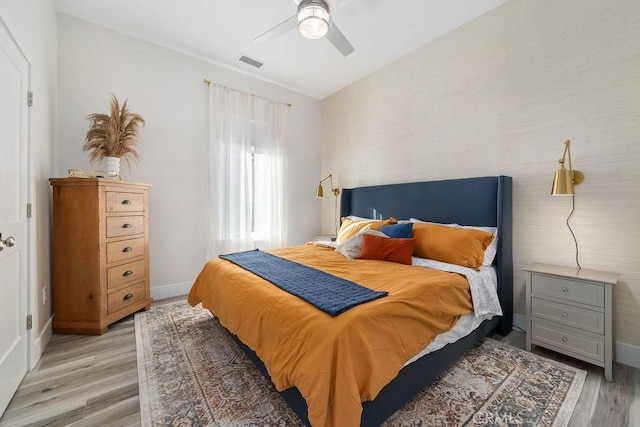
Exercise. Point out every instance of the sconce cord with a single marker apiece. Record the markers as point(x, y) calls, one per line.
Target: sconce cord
point(573, 208)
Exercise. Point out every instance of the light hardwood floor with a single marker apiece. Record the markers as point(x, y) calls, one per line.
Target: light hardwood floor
point(92, 381)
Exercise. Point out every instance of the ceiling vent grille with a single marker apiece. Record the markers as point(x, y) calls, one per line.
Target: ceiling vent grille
point(250, 61)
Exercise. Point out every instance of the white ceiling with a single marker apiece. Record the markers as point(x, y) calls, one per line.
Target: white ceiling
point(381, 31)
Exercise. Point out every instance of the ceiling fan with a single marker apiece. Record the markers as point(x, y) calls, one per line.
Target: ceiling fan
point(313, 21)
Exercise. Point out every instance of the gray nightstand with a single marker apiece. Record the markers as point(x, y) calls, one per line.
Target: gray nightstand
point(571, 311)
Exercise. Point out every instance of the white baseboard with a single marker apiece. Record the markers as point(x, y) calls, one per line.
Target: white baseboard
point(626, 354)
point(170, 291)
point(40, 343)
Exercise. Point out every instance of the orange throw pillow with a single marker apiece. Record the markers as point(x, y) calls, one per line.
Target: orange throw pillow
point(460, 246)
point(351, 227)
point(386, 249)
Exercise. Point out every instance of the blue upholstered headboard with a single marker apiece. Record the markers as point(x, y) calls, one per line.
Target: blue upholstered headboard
point(484, 201)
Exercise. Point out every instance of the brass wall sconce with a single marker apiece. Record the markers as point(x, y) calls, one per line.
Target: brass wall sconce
point(335, 191)
point(320, 191)
point(564, 179)
point(563, 182)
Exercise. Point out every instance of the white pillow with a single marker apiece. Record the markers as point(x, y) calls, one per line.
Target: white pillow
point(359, 218)
point(492, 249)
point(351, 247)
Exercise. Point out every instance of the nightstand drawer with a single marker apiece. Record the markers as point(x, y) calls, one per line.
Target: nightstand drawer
point(126, 297)
point(125, 249)
point(577, 317)
point(125, 273)
point(570, 310)
point(117, 201)
point(125, 225)
point(567, 339)
point(567, 289)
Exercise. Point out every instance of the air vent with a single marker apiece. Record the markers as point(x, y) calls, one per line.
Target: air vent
point(250, 61)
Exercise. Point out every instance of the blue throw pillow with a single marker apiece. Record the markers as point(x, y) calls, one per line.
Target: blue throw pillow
point(398, 231)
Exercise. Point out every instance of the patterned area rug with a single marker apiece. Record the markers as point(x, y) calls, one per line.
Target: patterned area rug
point(191, 373)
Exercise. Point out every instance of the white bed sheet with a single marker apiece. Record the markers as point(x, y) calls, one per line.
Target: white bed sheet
point(467, 323)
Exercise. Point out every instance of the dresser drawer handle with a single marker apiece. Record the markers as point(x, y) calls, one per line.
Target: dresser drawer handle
point(564, 314)
point(564, 289)
point(127, 249)
point(127, 296)
point(125, 202)
point(127, 273)
point(126, 225)
point(564, 339)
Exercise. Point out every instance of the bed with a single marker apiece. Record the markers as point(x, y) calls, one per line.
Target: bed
point(483, 201)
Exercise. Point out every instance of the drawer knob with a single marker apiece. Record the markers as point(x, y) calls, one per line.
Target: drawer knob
point(564, 339)
point(127, 249)
point(564, 314)
point(564, 289)
point(127, 296)
point(126, 202)
point(126, 225)
point(127, 273)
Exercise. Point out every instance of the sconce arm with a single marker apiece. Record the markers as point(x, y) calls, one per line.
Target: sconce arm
point(334, 190)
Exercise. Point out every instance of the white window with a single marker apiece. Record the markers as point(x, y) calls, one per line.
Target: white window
point(246, 191)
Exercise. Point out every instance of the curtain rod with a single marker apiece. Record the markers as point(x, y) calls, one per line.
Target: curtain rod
point(209, 83)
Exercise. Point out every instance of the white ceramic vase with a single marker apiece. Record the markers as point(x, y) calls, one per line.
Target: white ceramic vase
point(111, 164)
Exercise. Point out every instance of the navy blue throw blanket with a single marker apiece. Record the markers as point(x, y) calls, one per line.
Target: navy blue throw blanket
point(329, 293)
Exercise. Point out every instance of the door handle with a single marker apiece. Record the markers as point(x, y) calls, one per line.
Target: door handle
point(8, 242)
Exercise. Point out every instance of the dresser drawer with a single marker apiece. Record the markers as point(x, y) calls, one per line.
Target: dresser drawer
point(124, 201)
point(125, 225)
point(577, 317)
point(567, 339)
point(125, 297)
point(125, 249)
point(567, 289)
point(125, 273)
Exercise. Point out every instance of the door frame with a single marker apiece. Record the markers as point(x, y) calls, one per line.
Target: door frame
point(28, 246)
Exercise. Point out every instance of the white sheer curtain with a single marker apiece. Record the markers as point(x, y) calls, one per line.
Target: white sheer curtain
point(246, 184)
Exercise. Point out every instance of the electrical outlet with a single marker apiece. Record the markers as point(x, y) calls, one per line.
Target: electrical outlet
point(44, 296)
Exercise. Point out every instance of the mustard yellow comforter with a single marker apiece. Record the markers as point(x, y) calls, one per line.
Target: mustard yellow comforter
point(335, 362)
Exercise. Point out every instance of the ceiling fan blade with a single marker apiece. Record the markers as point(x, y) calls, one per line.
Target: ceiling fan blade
point(278, 30)
point(338, 39)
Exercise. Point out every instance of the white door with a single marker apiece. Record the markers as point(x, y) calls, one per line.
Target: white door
point(14, 83)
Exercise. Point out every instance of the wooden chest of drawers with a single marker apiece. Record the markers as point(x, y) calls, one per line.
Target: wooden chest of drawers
point(571, 311)
point(100, 253)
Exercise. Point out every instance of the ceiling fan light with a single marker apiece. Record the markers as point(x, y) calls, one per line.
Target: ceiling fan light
point(314, 19)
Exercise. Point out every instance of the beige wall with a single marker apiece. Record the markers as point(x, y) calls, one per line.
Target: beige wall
point(499, 96)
